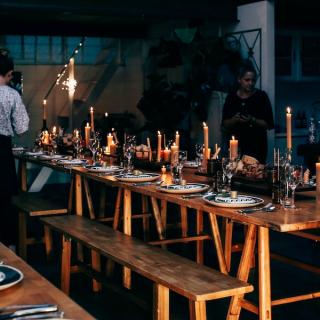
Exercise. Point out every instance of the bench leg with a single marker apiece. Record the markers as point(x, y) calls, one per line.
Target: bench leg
point(199, 226)
point(228, 229)
point(163, 213)
point(126, 279)
point(184, 221)
point(48, 242)
point(160, 302)
point(197, 310)
point(22, 235)
point(66, 265)
point(96, 265)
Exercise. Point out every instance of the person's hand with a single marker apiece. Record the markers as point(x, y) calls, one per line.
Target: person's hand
point(240, 118)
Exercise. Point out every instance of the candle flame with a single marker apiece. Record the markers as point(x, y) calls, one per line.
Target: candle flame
point(159, 132)
point(204, 124)
point(44, 102)
point(87, 125)
point(233, 138)
point(91, 109)
point(288, 110)
point(177, 132)
point(109, 134)
point(106, 114)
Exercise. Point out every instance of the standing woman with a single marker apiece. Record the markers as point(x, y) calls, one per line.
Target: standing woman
point(247, 114)
point(13, 120)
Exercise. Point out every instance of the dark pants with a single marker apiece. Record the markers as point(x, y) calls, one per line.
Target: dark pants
point(8, 221)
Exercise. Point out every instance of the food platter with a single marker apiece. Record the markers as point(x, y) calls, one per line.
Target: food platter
point(241, 201)
point(144, 177)
point(183, 189)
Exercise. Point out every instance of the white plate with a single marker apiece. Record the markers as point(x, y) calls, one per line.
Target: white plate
point(73, 162)
point(35, 153)
point(51, 157)
point(190, 164)
point(12, 276)
point(187, 188)
point(18, 148)
point(145, 177)
point(242, 201)
point(104, 169)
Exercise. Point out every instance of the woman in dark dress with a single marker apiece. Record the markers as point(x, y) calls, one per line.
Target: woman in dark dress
point(13, 120)
point(247, 115)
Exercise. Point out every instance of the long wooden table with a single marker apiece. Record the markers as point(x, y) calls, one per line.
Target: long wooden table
point(35, 289)
point(259, 224)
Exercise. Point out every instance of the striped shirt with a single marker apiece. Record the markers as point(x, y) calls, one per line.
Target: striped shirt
point(13, 113)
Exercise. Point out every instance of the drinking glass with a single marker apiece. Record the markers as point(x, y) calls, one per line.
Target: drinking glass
point(228, 168)
point(93, 145)
point(129, 151)
point(76, 141)
point(199, 156)
point(294, 178)
point(54, 142)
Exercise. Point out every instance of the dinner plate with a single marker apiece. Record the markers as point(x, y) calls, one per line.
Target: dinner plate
point(104, 169)
point(12, 276)
point(33, 153)
point(144, 177)
point(187, 188)
point(242, 201)
point(71, 162)
point(51, 157)
point(190, 164)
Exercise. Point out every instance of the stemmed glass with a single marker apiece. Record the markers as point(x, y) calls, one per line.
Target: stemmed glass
point(76, 141)
point(199, 155)
point(294, 178)
point(228, 168)
point(93, 145)
point(54, 142)
point(129, 150)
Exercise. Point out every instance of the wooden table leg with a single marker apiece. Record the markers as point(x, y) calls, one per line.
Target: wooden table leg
point(70, 198)
point(243, 270)
point(218, 243)
point(197, 310)
point(228, 229)
point(22, 169)
point(160, 302)
point(78, 209)
point(163, 213)
point(184, 221)
point(127, 230)
point(199, 226)
point(157, 217)
point(264, 274)
point(89, 199)
point(145, 217)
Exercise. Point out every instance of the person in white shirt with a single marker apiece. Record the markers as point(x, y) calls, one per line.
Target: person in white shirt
point(13, 120)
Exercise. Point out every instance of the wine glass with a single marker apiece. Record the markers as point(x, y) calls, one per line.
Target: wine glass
point(294, 178)
point(228, 168)
point(54, 142)
point(76, 141)
point(93, 145)
point(129, 150)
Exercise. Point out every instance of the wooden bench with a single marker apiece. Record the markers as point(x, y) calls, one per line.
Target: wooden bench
point(35, 289)
point(168, 271)
point(36, 204)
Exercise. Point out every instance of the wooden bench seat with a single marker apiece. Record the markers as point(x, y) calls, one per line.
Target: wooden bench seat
point(36, 204)
point(168, 271)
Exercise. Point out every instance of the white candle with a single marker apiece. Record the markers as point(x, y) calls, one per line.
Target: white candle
point(159, 147)
point(166, 154)
point(174, 153)
point(177, 139)
point(109, 139)
point(44, 103)
point(92, 118)
point(289, 133)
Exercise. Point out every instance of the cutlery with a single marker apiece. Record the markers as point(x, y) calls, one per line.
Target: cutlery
point(43, 316)
point(34, 309)
point(267, 207)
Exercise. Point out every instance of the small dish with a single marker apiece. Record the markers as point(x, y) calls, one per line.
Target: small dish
point(182, 189)
point(12, 276)
point(145, 177)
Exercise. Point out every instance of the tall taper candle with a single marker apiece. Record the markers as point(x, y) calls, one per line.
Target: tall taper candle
point(159, 147)
point(289, 132)
point(233, 148)
point(87, 130)
point(177, 139)
point(91, 118)
point(44, 106)
point(318, 181)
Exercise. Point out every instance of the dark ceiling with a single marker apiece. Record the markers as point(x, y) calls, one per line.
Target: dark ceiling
point(132, 18)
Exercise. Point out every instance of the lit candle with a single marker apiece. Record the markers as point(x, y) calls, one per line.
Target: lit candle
point(318, 181)
point(174, 153)
point(159, 147)
point(112, 147)
point(92, 118)
point(163, 170)
point(206, 137)
point(44, 103)
point(289, 133)
point(87, 130)
point(233, 148)
point(54, 130)
point(177, 139)
point(109, 139)
point(46, 137)
point(76, 133)
point(166, 154)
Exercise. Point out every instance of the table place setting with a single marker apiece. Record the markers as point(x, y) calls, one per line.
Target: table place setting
point(132, 177)
point(228, 200)
point(9, 276)
point(184, 188)
point(106, 170)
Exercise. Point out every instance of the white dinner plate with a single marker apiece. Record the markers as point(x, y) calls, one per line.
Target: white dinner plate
point(144, 177)
point(51, 157)
point(187, 188)
point(104, 169)
point(242, 201)
point(33, 153)
point(12, 276)
point(72, 162)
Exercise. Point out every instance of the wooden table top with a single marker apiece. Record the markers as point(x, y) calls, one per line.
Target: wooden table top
point(35, 289)
point(307, 216)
